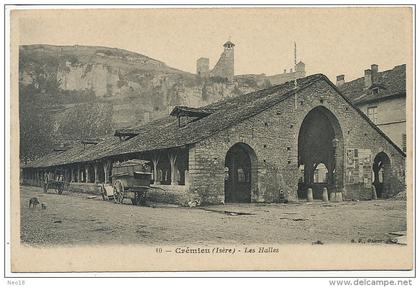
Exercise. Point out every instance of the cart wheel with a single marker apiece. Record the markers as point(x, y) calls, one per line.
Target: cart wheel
point(118, 191)
point(103, 192)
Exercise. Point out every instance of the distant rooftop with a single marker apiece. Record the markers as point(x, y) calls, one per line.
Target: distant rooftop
point(384, 85)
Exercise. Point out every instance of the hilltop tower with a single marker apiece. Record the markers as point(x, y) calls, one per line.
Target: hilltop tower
point(203, 67)
point(225, 66)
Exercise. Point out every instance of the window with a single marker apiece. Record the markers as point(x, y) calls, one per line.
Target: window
point(404, 142)
point(372, 114)
point(375, 91)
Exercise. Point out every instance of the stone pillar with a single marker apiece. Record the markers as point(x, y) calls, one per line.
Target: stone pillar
point(187, 178)
point(105, 173)
point(155, 161)
point(336, 195)
point(310, 196)
point(82, 175)
point(95, 168)
point(87, 173)
point(324, 194)
point(78, 175)
point(107, 167)
point(172, 161)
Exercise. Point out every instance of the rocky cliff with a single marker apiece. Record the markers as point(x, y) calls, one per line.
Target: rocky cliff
point(113, 86)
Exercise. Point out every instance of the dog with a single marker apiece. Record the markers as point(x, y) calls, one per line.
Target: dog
point(33, 202)
point(43, 206)
point(194, 203)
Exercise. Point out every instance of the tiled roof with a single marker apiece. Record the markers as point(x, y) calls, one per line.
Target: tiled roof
point(390, 83)
point(227, 113)
point(78, 153)
point(165, 133)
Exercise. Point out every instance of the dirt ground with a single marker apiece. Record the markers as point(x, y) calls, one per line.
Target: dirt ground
point(73, 218)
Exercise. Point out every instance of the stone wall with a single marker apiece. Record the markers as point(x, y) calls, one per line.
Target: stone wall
point(273, 135)
point(285, 77)
point(172, 194)
point(91, 188)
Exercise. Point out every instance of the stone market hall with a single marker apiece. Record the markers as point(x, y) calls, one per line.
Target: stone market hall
point(267, 146)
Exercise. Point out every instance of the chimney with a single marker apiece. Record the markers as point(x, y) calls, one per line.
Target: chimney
point(368, 78)
point(340, 80)
point(374, 68)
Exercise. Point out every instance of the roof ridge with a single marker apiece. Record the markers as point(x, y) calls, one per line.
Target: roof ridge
point(263, 91)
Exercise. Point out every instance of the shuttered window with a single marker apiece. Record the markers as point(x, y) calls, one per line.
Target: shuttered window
point(372, 114)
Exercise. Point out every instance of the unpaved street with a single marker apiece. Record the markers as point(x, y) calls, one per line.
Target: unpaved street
point(76, 219)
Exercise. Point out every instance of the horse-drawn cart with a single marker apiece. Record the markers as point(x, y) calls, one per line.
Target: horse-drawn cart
point(131, 179)
point(57, 184)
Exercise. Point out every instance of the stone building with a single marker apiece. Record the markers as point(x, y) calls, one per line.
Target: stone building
point(225, 66)
point(203, 69)
point(382, 97)
point(264, 146)
point(297, 73)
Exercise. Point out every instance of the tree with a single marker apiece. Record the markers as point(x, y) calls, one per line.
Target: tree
point(35, 99)
point(87, 120)
point(34, 124)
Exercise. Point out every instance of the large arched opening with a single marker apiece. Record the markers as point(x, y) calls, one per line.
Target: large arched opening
point(240, 173)
point(320, 153)
point(381, 174)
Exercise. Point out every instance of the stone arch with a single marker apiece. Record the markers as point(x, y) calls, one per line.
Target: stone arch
point(320, 140)
point(382, 174)
point(241, 173)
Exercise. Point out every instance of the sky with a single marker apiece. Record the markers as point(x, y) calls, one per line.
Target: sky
point(331, 41)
